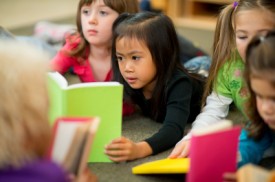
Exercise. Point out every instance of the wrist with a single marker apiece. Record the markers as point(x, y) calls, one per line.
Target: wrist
point(143, 149)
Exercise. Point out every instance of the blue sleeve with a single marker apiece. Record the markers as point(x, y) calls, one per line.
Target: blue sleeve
point(250, 150)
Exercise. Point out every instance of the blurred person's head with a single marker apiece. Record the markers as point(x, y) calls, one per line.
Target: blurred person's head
point(24, 126)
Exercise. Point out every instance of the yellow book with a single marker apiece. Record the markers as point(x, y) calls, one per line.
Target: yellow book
point(163, 166)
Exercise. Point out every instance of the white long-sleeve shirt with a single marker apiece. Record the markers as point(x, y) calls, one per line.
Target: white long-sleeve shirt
point(216, 109)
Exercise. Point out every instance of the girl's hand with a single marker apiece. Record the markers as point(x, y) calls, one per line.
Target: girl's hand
point(181, 150)
point(229, 177)
point(86, 176)
point(122, 149)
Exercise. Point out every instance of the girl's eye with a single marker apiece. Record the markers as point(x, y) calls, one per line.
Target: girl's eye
point(258, 96)
point(119, 58)
point(103, 13)
point(135, 58)
point(85, 12)
point(242, 37)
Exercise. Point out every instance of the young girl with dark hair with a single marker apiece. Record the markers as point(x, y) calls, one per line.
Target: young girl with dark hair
point(146, 60)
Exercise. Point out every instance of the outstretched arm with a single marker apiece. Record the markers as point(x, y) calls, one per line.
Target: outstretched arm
point(216, 109)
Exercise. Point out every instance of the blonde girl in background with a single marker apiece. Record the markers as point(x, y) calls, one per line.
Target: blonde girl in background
point(237, 24)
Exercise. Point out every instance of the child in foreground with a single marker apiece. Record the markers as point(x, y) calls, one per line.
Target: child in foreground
point(225, 84)
point(25, 131)
point(146, 60)
point(260, 78)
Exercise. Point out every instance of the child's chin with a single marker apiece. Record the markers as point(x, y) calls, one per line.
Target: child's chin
point(271, 125)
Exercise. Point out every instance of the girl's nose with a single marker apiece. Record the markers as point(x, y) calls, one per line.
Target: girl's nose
point(92, 19)
point(128, 67)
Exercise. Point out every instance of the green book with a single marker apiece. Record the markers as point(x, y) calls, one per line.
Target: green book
point(95, 99)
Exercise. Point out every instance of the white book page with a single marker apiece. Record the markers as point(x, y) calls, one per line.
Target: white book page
point(60, 79)
point(222, 125)
point(63, 138)
point(93, 84)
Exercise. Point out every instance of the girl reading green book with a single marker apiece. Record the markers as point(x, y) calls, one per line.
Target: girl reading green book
point(146, 60)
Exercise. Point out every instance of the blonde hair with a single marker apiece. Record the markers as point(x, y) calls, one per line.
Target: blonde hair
point(224, 46)
point(24, 126)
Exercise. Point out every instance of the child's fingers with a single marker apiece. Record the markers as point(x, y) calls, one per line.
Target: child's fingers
point(229, 177)
point(114, 146)
point(117, 146)
point(117, 152)
point(118, 155)
point(86, 176)
point(177, 151)
point(118, 158)
point(119, 140)
point(185, 151)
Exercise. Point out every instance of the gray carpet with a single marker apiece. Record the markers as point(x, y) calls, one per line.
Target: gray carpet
point(138, 128)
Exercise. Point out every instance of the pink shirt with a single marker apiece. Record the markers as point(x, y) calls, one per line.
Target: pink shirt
point(63, 62)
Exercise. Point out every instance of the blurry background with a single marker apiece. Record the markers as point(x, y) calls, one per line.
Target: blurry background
point(20, 16)
point(194, 19)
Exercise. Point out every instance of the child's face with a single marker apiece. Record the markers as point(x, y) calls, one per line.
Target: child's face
point(96, 21)
point(136, 65)
point(250, 23)
point(265, 98)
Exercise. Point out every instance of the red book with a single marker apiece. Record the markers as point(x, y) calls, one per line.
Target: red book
point(213, 152)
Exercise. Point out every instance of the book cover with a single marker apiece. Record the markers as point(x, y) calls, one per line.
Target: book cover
point(72, 140)
point(213, 151)
point(163, 166)
point(100, 99)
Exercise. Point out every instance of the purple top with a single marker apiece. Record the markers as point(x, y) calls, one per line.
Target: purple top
point(38, 171)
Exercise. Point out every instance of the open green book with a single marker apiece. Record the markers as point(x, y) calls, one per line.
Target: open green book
point(95, 99)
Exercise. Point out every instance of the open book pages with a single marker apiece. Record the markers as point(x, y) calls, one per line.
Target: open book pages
point(59, 79)
point(72, 142)
point(63, 83)
point(221, 125)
